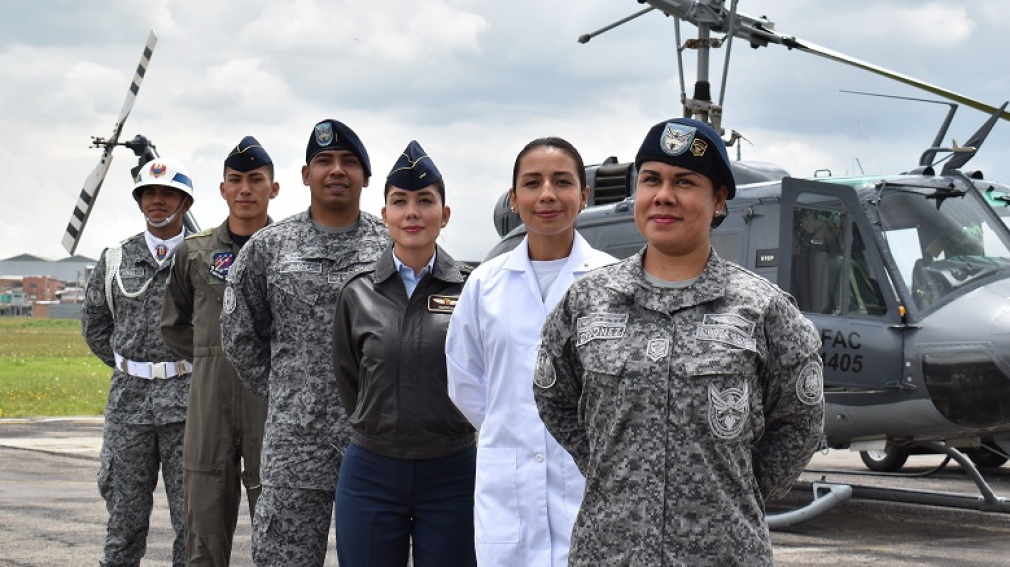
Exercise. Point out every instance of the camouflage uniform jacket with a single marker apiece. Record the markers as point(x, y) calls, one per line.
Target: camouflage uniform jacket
point(276, 328)
point(135, 333)
point(685, 409)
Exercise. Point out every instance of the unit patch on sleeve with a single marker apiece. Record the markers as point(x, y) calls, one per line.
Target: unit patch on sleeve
point(601, 326)
point(544, 375)
point(442, 303)
point(810, 384)
point(229, 300)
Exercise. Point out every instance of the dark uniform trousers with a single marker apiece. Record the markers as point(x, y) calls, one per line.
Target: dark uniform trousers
point(382, 500)
point(287, 530)
point(129, 490)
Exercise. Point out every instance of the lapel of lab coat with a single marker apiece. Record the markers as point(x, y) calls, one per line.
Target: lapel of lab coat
point(577, 265)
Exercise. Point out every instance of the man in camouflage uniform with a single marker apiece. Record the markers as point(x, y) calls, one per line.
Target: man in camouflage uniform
point(276, 329)
point(687, 389)
point(146, 409)
point(224, 425)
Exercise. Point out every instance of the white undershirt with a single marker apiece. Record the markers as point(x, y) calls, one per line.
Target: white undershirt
point(546, 272)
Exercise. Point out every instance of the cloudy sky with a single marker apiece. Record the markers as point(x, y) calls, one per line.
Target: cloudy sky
point(472, 80)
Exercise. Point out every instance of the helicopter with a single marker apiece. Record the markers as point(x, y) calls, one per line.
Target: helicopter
point(906, 276)
point(141, 147)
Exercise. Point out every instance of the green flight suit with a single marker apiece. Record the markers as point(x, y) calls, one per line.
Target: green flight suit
point(224, 425)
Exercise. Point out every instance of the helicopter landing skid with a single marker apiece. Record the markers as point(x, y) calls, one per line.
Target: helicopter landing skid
point(826, 496)
point(987, 501)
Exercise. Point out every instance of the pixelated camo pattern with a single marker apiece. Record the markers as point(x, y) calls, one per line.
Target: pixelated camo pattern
point(680, 445)
point(285, 283)
point(135, 333)
point(291, 527)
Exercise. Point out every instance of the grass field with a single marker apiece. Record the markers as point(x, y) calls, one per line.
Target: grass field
point(46, 369)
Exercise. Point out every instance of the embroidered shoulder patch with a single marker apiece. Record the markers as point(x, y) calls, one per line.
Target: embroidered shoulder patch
point(229, 300)
point(810, 384)
point(544, 375)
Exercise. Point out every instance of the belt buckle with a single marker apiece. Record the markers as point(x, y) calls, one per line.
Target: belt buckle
point(159, 371)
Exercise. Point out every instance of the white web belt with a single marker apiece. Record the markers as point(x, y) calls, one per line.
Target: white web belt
point(153, 370)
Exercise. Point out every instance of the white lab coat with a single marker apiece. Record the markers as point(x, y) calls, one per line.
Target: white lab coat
point(528, 489)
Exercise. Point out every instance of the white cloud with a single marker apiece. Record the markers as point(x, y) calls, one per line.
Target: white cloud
point(472, 80)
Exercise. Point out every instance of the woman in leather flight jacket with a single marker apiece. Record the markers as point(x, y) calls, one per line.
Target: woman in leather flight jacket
point(407, 478)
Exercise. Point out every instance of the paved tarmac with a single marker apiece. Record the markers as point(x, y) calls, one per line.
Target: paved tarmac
point(51, 513)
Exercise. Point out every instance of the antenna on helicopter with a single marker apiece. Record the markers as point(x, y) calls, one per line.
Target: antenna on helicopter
point(584, 38)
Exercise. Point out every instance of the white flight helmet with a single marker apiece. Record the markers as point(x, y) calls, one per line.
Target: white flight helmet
point(166, 172)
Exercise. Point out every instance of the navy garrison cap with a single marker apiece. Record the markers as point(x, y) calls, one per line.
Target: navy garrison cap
point(690, 144)
point(413, 170)
point(334, 135)
point(247, 156)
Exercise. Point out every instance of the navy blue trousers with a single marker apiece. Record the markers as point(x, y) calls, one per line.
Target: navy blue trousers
point(386, 504)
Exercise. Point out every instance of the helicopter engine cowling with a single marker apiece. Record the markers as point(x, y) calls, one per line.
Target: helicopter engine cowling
point(612, 182)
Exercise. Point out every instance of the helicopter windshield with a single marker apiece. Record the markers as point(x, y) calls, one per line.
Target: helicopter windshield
point(941, 240)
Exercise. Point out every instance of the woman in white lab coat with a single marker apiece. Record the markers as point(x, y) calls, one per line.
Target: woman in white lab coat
point(528, 489)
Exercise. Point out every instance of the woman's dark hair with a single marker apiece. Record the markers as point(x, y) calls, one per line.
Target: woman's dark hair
point(556, 143)
point(439, 187)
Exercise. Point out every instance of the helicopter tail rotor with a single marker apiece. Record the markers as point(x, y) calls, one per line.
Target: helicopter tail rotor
point(86, 200)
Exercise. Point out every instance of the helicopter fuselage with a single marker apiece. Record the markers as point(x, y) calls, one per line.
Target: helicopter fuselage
point(907, 279)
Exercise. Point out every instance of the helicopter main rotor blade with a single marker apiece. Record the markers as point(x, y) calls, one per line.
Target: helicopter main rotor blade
point(759, 32)
point(793, 43)
point(86, 200)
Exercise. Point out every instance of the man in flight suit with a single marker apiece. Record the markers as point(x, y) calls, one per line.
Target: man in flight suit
point(146, 410)
point(276, 329)
point(224, 425)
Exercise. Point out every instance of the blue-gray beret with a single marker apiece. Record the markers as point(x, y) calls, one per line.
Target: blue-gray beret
point(690, 144)
point(335, 135)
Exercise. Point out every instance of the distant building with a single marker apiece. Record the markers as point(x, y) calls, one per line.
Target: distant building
point(31, 286)
point(73, 270)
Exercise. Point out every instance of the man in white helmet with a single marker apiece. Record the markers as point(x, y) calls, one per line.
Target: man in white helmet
point(145, 413)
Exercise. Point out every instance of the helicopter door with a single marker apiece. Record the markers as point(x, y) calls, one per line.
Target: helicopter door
point(836, 274)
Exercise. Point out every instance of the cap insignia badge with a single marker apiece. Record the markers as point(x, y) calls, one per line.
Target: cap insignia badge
point(676, 138)
point(324, 133)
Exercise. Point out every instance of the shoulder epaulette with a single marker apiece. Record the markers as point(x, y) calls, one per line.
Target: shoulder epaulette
point(204, 232)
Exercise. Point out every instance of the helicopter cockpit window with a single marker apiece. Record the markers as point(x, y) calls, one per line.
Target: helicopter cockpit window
point(940, 243)
point(822, 280)
point(817, 258)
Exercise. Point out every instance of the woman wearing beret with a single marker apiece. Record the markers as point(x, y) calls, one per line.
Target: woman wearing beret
point(688, 390)
point(528, 488)
point(407, 478)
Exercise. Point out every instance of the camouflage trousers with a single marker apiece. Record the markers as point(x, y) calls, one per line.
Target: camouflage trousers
point(291, 527)
point(127, 477)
